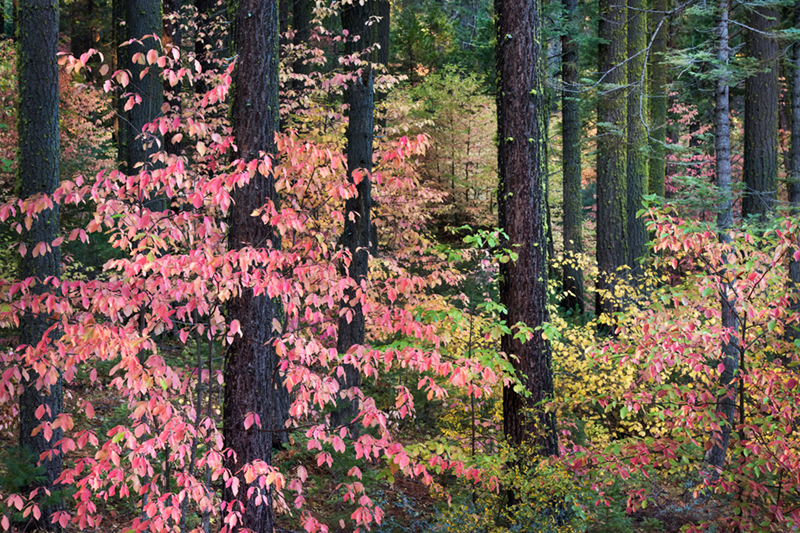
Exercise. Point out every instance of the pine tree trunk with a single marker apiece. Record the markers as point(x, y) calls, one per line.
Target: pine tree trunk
point(571, 139)
point(522, 165)
point(658, 98)
point(357, 226)
point(761, 117)
point(174, 36)
point(612, 195)
point(143, 18)
point(726, 402)
point(82, 31)
point(637, 133)
point(793, 332)
point(38, 167)
point(251, 363)
point(301, 21)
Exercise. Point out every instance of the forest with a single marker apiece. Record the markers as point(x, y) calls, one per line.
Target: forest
point(399, 266)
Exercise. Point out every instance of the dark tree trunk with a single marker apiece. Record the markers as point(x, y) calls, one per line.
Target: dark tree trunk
point(206, 41)
point(82, 30)
point(301, 18)
point(761, 116)
point(174, 37)
point(794, 170)
point(612, 196)
point(357, 227)
point(251, 363)
point(38, 164)
point(658, 98)
point(522, 165)
point(382, 35)
point(571, 139)
point(143, 18)
point(726, 402)
point(637, 133)
point(120, 35)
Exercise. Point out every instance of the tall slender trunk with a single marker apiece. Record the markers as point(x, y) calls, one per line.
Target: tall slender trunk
point(658, 97)
point(726, 402)
point(82, 30)
point(357, 226)
point(301, 22)
point(382, 35)
point(761, 116)
point(251, 363)
point(612, 195)
point(143, 20)
point(571, 149)
point(521, 194)
point(637, 133)
point(794, 169)
point(38, 165)
point(173, 36)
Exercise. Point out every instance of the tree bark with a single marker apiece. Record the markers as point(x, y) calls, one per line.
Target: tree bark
point(301, 19)
point(637, 133)
point(761, 116)
point(143, 19)
point(82, 31)
point(357, 226)
point(522, 165)
point(571, 147)
point(382, 37)
point(174, 37)
point(251, 365)
point(658, 98)
point(38, 167)
point(793, 331)
point(726, 402)
point(612, 196)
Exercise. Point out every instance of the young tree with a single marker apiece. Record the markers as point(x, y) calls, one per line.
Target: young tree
point(637, 130)
point(356, 239)
point(612, 197)
point(38, 166)
point(571, 158)
point(726, 401)
point(251, 363)
point(658, 97)
point(761, 115)
point(522, 165)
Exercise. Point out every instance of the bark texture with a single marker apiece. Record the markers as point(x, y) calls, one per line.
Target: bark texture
point(522, 164)
point(251, 363)
point(143, 18)
point(794, 170)
point(357, 226)
point(658, 98)
point(173, 36)
point(571, 149)
point(38, 164)
point(726, 402)
point(636, 180)
point(612, 195)
point(761, 116)
point(301, 19)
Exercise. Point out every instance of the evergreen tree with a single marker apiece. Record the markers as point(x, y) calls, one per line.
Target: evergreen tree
point(658, 98)
point(250, 365)
point(636, 180)
point(38, 173)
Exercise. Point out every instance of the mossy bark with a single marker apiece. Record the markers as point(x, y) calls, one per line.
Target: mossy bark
point(356, 238)
point(612, 194)
point(658, 98)
point(38, 168)
point(636, 180)
point(521, 193)
point(761, 116)
point(571, 150)
point(251, 363)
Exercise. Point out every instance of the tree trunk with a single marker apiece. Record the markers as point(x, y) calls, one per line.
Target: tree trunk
point(761, 117)
point(637, 133)
point(793, 332)
point(382, 35)
point(612, 197)
point(251, 363)
point(82, 31)
point(726, 402)
point(301, 20)
point(120, 60)
point(173, 36)
point(143, 18)
point(571, 139)
point(38, 166)
point(357, 227)
point(522, 165)
point(658, 98)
